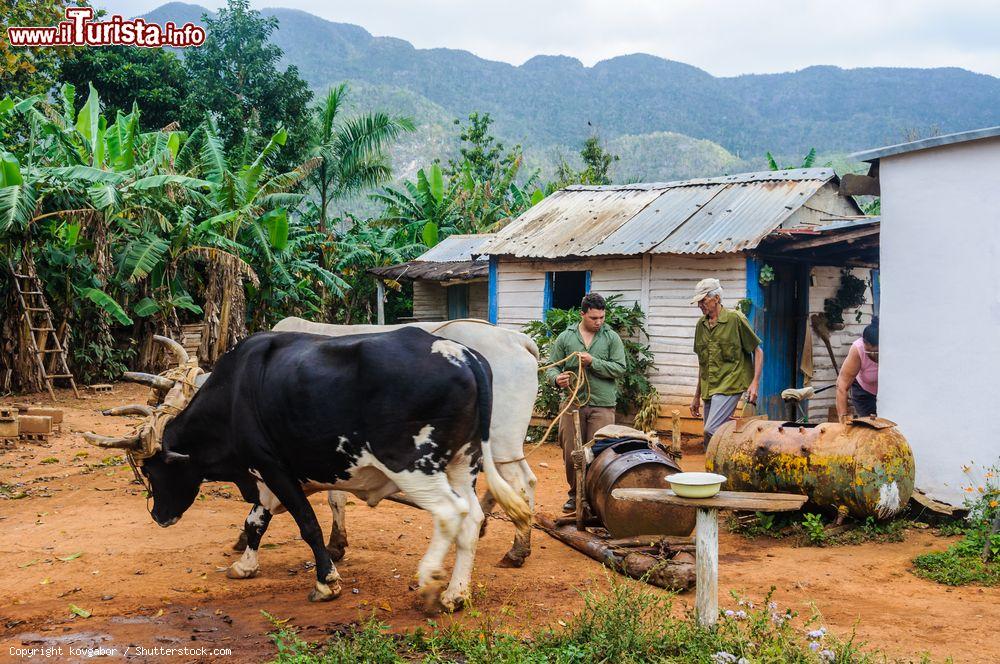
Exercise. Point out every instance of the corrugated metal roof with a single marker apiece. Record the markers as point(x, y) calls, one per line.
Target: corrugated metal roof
point(926, 143)
point(455, 248)
point(435, 271)
point(703, 216)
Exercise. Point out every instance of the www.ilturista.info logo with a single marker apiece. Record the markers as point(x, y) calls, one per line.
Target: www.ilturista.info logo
point(79, 29)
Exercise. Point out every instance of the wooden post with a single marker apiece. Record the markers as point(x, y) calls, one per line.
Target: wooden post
point(581, 468)
point(380, 300)
point(676, 433)
point(707, 566)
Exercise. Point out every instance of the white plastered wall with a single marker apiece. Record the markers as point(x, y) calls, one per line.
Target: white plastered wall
point(940, 310)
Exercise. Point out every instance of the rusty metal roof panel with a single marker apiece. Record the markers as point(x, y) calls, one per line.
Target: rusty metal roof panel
point(701, 216)
point(738, 217)
point(455, 248)
point(569, 222)
point(654, 223)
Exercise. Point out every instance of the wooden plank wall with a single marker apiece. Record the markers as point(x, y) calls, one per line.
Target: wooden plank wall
point(430, 302)
point(671, 319)
point(825, 281)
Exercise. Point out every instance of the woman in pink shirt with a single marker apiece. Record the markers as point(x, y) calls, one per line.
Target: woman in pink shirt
point(858, 379)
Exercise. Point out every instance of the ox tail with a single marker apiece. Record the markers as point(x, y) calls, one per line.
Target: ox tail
point(513, 504)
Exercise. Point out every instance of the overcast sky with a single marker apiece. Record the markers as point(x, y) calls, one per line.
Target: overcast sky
point(724, 38)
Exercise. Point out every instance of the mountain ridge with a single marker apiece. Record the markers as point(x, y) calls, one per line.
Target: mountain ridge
point(551, 103)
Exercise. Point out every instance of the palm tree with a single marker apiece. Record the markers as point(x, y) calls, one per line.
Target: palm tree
point(352, 152)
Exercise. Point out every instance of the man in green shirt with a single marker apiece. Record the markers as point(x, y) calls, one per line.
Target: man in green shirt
point(602, 354)
point(724, 342)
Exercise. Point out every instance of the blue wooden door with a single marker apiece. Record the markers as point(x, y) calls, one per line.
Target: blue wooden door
point(778, 315)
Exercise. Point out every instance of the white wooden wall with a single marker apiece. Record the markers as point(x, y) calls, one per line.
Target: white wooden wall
point(521, 284)
point(824, 284)
point(671, 318)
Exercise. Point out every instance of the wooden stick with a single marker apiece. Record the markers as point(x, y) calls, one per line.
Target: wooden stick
point(581, 499)
point(676, 433)
point(637, 565)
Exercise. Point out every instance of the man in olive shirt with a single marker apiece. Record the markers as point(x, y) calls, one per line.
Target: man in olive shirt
point(724, 342)
point(602, 354)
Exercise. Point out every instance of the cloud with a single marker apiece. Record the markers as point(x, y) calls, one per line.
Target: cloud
point(725, 38)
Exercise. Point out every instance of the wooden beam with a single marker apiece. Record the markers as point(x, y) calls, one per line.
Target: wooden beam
point(797, 245)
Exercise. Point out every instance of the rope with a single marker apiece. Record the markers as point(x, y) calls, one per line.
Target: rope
point(573, 400)
point(461, 320)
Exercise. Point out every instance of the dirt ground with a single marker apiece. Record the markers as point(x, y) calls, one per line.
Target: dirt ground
point(81, 536)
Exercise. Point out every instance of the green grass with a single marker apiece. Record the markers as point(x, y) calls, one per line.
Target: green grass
point(809, 529)
point(953, 569)
point(628, 624)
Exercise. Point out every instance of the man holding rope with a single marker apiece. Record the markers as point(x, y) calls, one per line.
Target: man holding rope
point(601, 352)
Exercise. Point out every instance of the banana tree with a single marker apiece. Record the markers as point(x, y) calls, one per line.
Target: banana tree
point(426, 209)
point(251, 220)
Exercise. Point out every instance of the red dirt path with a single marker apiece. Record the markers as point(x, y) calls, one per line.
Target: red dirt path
point(151, 587)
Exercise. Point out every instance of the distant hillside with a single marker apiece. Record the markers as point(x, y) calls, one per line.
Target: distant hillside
point(644, 106)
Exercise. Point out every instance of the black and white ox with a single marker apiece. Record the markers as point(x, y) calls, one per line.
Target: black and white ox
point(513, 357)
point(284, 415)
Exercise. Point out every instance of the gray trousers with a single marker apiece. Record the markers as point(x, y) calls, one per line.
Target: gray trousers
point(718, 409)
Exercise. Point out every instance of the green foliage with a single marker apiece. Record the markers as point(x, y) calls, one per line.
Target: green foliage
point(974, 559)
point(125, 75)
point(628, 623)
point(815, 530)
point(32, 71)
point(628, 322)
point(807, 162)
point(766, 275)
point(597, 164)
point(234, 78)
point(850, 295)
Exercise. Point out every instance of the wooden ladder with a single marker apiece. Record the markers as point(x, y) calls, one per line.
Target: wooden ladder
point(37, 317)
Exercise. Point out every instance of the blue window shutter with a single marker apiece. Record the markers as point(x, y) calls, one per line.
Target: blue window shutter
point(493, 290)
point(550, 278)
point(876, 292)
point(586, 283)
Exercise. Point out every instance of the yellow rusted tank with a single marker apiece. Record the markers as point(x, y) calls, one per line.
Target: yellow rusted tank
point(864, 466)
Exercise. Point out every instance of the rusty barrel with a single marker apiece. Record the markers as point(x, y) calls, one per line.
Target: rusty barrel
point(864, 466)
point(635, 464)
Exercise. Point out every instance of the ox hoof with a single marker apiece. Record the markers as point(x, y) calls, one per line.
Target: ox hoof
point(456, 602)
point(237, 572)
point(482, 528)
point(336, 552)
point(241, 543)
point(430, 593)
point(511, 560)
point(325, 593)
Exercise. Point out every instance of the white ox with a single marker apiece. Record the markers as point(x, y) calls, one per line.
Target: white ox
point(513, 357)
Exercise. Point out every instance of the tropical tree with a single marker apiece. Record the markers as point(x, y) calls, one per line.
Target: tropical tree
point(252, 207)
point(81, 189)
point(234, 77)
point(363, 246)
point(807, 161)
point(353, 152)
point(425, 211)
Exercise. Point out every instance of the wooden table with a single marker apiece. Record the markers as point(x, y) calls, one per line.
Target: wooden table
point(707, 532)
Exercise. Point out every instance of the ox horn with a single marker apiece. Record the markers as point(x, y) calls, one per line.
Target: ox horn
point(177, 349)
point(131, 409)
point(158, 383)
point(123, 443)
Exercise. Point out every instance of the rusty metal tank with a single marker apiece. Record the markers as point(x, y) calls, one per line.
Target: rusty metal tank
point(630, 464)
point(864, 466)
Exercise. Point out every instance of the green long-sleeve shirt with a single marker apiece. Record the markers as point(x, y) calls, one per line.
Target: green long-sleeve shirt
point(608, 353)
